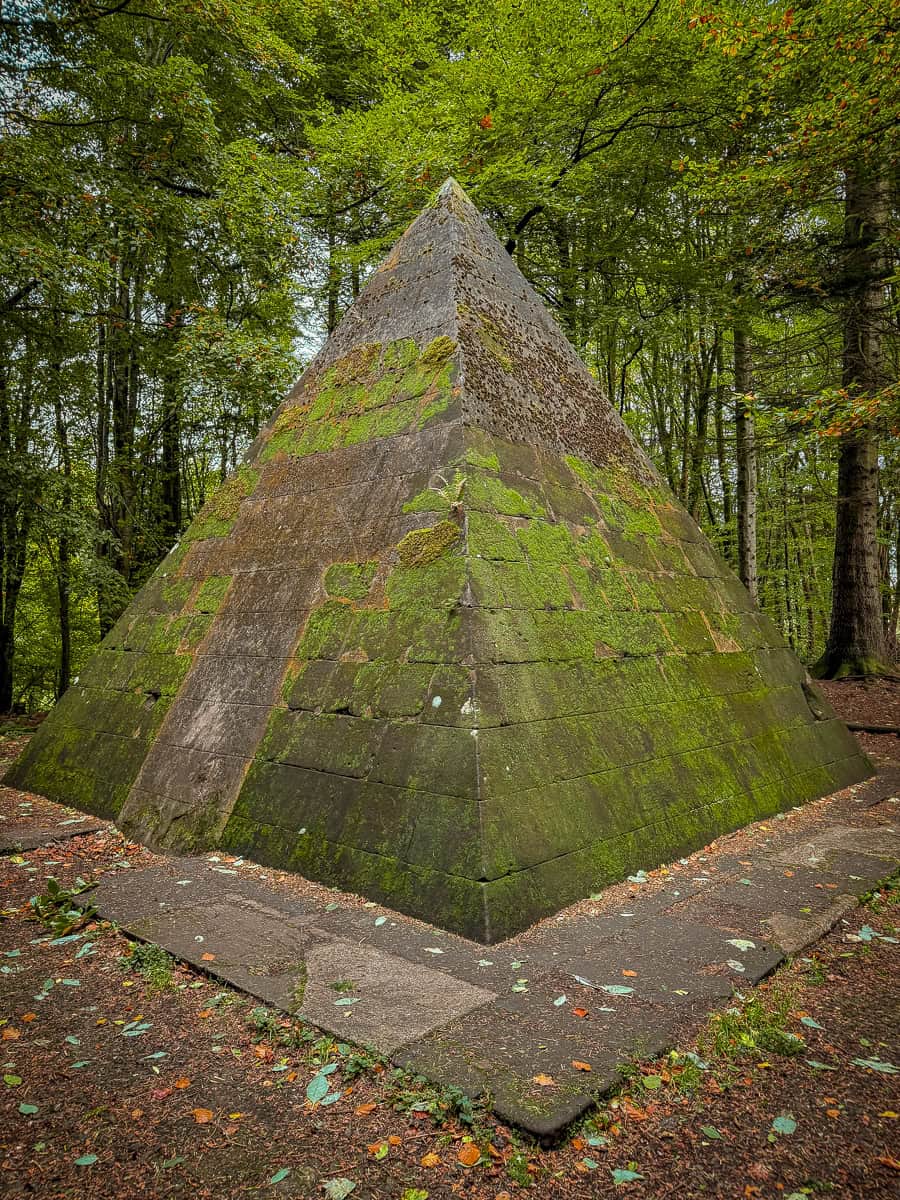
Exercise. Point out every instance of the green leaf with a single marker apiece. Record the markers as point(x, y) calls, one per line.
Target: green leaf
point(317, 1088)
point(12, 1080)
point(338, 1189)
point(382, 1151)
point(784, 1124)
point(86, 1160)
point(28, 1110)
point(652, 1082)
point(621, 1176)
point(810, 1023)
point(875, 1064)
point(591, 1163)
point(279, 1175)
point(710, 1131)
point(616, 989)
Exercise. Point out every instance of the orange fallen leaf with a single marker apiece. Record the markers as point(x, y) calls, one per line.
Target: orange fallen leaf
point(543, 1080)
point(469, 1154)
point(393, 1140)
point(202, 1116)
point(364, 1109)
point(503, 1196)
point(182, 1083)
point(10, 1034)
point(374, 1147)
point(292, 1075)
point(578, 1144)
point(137, 1113)
point(493, 1151)
point(208, 957)
point(579, 1012)
point(580, 1066)
point(430, 1160)
point(887, 1161)
point(630, 974)
point(29, 1017)
point(789, 874)
point(833, 1112)
point(207, 1012)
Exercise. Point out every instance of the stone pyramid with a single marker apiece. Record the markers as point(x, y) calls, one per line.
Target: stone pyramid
point(445, 639)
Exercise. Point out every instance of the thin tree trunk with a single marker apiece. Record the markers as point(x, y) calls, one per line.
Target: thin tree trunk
point(747, 469)
point(856, 643)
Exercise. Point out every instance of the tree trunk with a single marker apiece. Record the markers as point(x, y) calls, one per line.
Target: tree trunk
point(745, 429)
point(856, 643)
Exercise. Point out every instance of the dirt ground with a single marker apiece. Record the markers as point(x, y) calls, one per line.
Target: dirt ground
point(125, 1074)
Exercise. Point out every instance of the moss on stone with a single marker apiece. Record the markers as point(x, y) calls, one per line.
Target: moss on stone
point(491, 338)
point(211, 594)
point(422, 546)
point(437, 352)
point(350, 580)
point(218, 515)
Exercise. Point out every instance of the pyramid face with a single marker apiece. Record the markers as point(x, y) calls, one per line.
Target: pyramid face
point(445, 639)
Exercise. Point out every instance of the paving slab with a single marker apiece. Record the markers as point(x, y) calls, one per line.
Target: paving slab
point(24, 836)
point(517, 1023)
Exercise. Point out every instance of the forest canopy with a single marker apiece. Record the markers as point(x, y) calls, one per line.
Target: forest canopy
point(194, 191)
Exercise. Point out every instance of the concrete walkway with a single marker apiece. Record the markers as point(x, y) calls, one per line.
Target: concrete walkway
point(588, 988)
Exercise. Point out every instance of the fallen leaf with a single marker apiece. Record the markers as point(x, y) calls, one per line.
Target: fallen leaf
point(887, 1161)
point(365, 1109)
point(29, 1016)
point(580, 1066)
point(394, 1140)
point(579, 1012)
point(10, 1033)
point(630, 974)
point(208, 957)
point(182, 1083)
point(430, 1160)
point(468, 1155)
point(543, 1080)
point(202, 1116)
point(207, 1012)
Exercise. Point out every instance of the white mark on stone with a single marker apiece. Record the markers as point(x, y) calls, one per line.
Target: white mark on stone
point(436, 702)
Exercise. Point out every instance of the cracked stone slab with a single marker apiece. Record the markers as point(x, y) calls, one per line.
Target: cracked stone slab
point(253, 946)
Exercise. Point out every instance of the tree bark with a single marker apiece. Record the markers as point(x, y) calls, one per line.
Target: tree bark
point(745, 429)
point(856, 643)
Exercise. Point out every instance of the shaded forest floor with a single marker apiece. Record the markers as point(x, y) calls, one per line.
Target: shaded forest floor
point(125, 1074)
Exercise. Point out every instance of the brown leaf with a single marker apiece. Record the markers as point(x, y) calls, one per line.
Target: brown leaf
point(543, 1080)
point(887, 1161)
point(430, 1160)
point(364, 1109)
point(182, 1083)
point(580, 1066)
point(469, 1154)
point(202, 1116)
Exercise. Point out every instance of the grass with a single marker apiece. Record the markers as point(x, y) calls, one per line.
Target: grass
point(152, 963)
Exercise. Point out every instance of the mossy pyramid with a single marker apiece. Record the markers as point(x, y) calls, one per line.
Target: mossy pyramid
point(445, 639)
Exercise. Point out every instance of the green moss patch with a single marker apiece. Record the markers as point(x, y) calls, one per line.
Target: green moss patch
point(350, 580)
point(423, 546)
